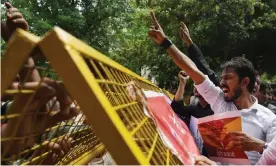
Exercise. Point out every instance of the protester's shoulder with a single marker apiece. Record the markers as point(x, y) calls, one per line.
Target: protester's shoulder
point(179, 102)
point(207, 84)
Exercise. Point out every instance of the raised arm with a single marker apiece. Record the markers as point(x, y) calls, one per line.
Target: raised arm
point(16, 20)
point(211, 93)
point(181, 60)
point(196, 55)
point(181, 87)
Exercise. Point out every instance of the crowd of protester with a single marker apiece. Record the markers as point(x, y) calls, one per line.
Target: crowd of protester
point(239, 89)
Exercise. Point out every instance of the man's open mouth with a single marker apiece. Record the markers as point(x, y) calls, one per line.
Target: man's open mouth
point(225, 91)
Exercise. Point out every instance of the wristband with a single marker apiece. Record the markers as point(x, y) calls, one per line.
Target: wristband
point(264, 148)
point(166, 43)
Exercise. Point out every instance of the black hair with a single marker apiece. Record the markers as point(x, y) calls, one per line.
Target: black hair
point(244, 68)
point(274, 92)
point(264, 87)
point(257, 74)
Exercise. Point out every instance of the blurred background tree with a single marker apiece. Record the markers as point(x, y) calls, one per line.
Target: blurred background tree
point(221, 28)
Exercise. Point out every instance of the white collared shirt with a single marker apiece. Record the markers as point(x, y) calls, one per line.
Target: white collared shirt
point(257, 121)
point(269, 155)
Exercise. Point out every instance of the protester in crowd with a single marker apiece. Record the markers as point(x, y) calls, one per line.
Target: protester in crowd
point(29, 103)
point(257, 83)
point(271, 106)
point(14, 20)
point(273, 100)
point(237, 84)
point(262, 93)
point(197, 57)
point(264, 96)
point(198, 107)
point(201, 109)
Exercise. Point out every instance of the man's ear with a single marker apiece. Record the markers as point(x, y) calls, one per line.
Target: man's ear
point(245, 82)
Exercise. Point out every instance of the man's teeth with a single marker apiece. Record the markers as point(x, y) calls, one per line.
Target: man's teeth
point(225, 90)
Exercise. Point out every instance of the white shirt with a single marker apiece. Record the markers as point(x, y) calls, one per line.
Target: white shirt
point(257, 121)
point(269, 155)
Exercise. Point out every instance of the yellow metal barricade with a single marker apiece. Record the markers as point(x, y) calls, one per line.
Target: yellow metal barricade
point(98, 86)
point(21, 145)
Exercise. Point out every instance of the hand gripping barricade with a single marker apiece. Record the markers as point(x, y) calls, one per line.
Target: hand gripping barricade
point(109, 118)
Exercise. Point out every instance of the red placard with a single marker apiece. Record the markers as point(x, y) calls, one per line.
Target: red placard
point(214, 131)
point(172, 129)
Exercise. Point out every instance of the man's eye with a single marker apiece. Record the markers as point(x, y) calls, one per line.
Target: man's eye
point(228, 77)
point(225, 78)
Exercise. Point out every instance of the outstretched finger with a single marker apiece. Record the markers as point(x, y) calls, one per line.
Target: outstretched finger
point(183, 33)
point(183, 25)
point(8, 5)
point(154, 20)
point(183, 30)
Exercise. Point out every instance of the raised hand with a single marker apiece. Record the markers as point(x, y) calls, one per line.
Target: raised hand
point(185, 34)
point(14, 20)
point(156, 32)
point(183, 78)
point(38, 114)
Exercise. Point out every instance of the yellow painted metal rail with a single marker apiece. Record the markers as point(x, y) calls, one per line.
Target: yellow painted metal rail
point(97, 86)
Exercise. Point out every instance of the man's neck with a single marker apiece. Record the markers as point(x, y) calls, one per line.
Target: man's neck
point(245, 101)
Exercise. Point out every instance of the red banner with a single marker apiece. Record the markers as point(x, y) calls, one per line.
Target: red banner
point(172, 129)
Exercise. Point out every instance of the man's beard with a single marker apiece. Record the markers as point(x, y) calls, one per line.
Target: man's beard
point(237, 94)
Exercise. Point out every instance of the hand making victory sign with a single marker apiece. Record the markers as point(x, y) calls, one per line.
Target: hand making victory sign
point(185, 34)
point(156, 32)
